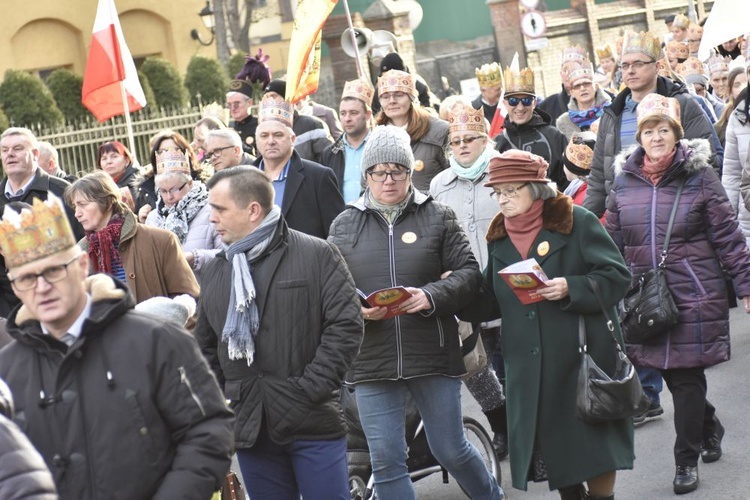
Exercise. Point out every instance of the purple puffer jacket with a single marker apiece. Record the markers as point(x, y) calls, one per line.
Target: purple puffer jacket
point(705, 233)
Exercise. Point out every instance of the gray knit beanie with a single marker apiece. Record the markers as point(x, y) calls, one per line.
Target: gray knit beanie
point(387, 144)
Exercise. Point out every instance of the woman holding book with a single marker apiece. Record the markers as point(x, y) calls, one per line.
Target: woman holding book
point(394, 235)
point(540, 339)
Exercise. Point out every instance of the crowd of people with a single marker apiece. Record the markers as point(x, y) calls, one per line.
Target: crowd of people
point(279, 223)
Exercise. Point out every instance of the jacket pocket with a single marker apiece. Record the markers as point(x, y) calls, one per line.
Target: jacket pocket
point(141, 426)
point(195, 396)
point(441, 333)
point(696, 281)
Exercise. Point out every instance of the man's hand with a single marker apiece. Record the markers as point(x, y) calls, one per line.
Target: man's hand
point(143, 213)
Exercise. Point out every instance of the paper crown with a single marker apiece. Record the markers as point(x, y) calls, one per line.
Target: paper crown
point(521, 82)
point(695, 32)
point(604, 52)
point(664, 69)
point(465, 118)
point(580, 73)
point(718, 64)
point(276, 110)
point(575, 53)
point(359, 89)
point(396, 81)
point(657, 105)
point(677, 50)
point(681, 21)
point(579, 153)
point(172, 160)
point(691, 66)
point(490, 75)
point(35, 234)
point(644, 42)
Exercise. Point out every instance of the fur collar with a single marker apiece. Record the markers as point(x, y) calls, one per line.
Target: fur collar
point(557, 215)
point(700, 158)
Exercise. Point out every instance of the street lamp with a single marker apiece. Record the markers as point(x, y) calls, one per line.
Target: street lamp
point(209, 21)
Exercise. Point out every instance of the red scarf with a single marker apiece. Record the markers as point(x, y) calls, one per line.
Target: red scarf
point(655, 170)
point(523, 229)
point(103, 246)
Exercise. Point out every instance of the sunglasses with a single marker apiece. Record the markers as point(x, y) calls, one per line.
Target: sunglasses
point(527, 101)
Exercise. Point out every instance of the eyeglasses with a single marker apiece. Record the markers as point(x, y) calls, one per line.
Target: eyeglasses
point(233, 105)
point(173, 191)
point(52, 274)
point(466, 140)
point(396, 175)
point(636, 65)
point(509, 193)
point(513, 101)
point(216, 152)
point(392, 96)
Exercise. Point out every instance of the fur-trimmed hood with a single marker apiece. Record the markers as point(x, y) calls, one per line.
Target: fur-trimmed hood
point(557, 216)
point(695, 155)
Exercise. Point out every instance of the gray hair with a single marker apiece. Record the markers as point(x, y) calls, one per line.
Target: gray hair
point(24, 132)
point(45, 148)
point(180, 176)
point(543, 191)
point(228, 134)
point(232, 93)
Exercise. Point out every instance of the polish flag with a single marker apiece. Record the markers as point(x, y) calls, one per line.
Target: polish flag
point(110, 63)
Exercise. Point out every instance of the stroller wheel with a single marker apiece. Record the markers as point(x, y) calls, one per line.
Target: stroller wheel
point(478, 437)
point(357, 488)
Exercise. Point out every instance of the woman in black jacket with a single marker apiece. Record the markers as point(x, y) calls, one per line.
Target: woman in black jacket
point(395, 236)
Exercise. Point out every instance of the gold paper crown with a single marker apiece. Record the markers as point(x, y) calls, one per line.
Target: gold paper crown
point(575, 53)
point(677, 50)
point(519, 83)
point(644, 42)
point(604, 52)
point(657, 105)
point(466, 119)
point(397, 81)
point(718, 64)
point(691, 66)
point(585, 71)
point(275, 110)
point(35, 234)
point(579, 152)
point(359, 89)
point(664, 69)
point(172, 160)
point(681, 21)
point(490, 75)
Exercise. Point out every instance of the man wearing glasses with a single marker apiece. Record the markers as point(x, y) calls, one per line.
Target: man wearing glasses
point(528, 128)
point(239, 101)
point(618, 123)
point(224, 150)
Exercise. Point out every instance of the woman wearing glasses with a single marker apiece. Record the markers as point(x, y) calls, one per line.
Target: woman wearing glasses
point(586, 105)
point(395, 235)
point(183, 209)
point(147, 259)
point(400, 107)
point(540, 340)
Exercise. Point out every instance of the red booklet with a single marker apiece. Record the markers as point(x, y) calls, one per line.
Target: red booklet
point(390, 298)
point(525, 278)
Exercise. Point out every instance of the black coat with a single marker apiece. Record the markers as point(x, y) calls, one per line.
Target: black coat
point(24, 475)
point(246, 129)
point(425, 241)
point(310, 331)
point(131, 409)
point(556, 104)
point(142, 188)
point(312, 198)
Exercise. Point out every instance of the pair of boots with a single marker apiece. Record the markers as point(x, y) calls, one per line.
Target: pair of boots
point(578, 492)
point(499, 424)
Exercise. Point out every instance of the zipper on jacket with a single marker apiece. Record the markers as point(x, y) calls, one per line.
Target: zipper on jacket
point(690, 271)
point(440, 332)
point(185, 380)
point(392, 268)
point(653, 227)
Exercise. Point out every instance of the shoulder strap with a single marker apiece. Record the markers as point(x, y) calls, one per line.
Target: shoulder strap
point(610, 325)
point(670, 225)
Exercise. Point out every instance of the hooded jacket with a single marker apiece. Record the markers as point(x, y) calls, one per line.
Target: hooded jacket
point(130, 410)
point(705, 237)
point(736, 169)
point(694, 121)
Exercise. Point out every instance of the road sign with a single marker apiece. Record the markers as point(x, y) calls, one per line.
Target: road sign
point(530, 4)
point(533, 24)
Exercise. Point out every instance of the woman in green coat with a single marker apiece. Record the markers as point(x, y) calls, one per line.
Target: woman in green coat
point(540, 340)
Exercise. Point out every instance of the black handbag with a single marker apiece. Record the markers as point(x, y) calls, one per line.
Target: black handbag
point(648, 308)
point(602, 398)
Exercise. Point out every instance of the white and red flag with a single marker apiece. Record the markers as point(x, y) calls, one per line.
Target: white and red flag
point(110, 78)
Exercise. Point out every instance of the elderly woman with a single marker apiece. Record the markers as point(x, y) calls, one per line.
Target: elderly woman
point(461, 187)
point(705, 236)
point(183, 209)
point(116, 160)
point(398, 96)
point(148, 259)
point(587, 102)
point(540, 340)
point(396, 236)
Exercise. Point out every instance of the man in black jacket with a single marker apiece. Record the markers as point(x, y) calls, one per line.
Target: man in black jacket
point(280, 323)
point(119, 404)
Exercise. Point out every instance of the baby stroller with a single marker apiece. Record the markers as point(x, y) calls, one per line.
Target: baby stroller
point(420, 461)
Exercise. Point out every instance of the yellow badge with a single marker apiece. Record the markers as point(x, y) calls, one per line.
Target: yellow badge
point(419, 165)
point(409, 237)
point(543, 248)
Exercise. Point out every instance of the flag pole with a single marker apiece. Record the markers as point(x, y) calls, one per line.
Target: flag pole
point(360, 71)
point(128, 122)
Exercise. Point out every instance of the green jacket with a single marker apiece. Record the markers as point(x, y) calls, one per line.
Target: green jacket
point(540, 346)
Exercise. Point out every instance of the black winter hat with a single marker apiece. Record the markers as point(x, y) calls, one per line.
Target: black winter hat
point(278, 86)
point(392, 61)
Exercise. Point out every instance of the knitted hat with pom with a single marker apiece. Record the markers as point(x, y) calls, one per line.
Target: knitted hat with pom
point(387, 144)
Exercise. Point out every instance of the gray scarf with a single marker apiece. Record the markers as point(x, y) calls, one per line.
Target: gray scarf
point(243, 320)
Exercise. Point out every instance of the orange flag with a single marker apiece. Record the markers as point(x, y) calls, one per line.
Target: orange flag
point(303, 68)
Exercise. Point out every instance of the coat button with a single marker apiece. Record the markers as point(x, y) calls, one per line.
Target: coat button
point(532, 315)
point(78, 354)
point(535, 351)
point(472, 227)
point(58, 460)
point(143, 431)
point(131, 276)
point(260, 374)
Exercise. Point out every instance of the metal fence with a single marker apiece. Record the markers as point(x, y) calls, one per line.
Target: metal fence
point(77, 143)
